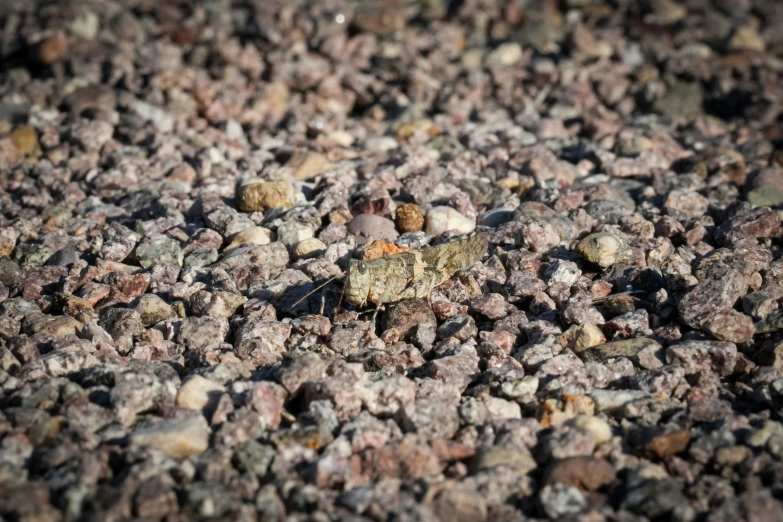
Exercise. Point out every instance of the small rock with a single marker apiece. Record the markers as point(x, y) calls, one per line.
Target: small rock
point(291, 233)
point(461, 326)
point(55, 325)
point(201, 257)
point(665, 446)
point(52, 48)
point(746, 38)
point(307, 164)
point(64, 257)
point(580, 337)
point(372, 226)
point(308, 248)
point(539, 235)
point(730, 325)
point(490, 457)
point(559, 500)
point(25, 139)
point(765, 197)
point(461, 505)
point(85, 25)
point(123, 325)
point(603, 249)
point(409, 218)
point(524, 387)
point(158, 250)
point(624, 348)
point(92, 135)
point(152, 309)
point(251, 236)
point(443, 219)
point(379, 19)
point(758, 223)
point(406, 316)
point(506, 54)
point(177, 438)
point(598, 427)
point(711, 296)
point(198, 393)
point(256, 195)
point(586, 473)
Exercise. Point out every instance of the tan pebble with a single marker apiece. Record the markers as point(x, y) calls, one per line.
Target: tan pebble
point(600, 429)
point(198, 392)
point(309, 248)
point(603, 249)
point(307, 164)
point(25, 139)
point(177, 438)
point(257, 195)
point(580, 337)
point(251, 236)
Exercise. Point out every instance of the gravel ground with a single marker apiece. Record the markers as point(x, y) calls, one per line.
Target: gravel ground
point(177, 176)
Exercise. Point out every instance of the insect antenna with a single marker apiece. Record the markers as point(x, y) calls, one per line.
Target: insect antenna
point(339, 303)
point(308, 294)
point(598, 300)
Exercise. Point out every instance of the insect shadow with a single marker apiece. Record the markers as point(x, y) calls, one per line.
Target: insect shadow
point(312, 298)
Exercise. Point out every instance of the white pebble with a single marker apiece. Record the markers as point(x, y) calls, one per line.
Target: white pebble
point(442, 219)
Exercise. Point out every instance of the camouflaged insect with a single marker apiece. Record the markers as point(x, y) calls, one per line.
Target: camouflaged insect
point(410, 274)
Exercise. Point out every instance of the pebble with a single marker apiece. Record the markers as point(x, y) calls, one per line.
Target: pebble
point(444, 219)
point(152, 309)
point(159, 250)
point(251, 236)
point(52, 48)
point(491, 457)
point(746, 38)
point(308, 248)
point(291, 233)
point(710, 296)
point(584, 472)
point(176, 438)
point(603, 249)
point(85, 25)
point(505, 55)
point(560, 500)
point(409, 218)
point(92, 135)
point(580, 337)
point(307, 165)
point(54, 325)
point(730, 325)
point(381, 144)
point(599, 428)
point(198, 393)
point(25, 139)
point(256, 195)
point(524, 387)
point(372, 226)
point(380, 20)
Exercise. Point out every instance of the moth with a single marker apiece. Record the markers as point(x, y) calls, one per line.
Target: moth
point(409, 274)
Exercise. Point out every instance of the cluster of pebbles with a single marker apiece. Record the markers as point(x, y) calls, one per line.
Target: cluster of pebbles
point(177, 177)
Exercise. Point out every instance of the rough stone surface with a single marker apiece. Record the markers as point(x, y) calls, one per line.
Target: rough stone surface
point(184, 186)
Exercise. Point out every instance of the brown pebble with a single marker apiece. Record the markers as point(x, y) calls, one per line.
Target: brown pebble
point(51, 49)
point(670, 444)
point(409, 218)
point(25, 139)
